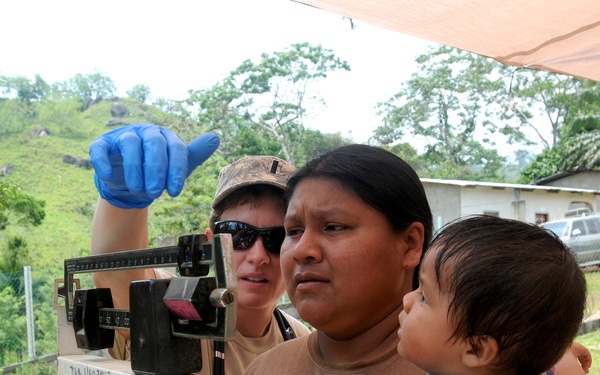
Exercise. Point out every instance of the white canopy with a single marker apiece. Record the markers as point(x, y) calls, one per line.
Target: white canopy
point(561, 36)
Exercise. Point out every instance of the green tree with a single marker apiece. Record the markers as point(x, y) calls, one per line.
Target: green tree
point(14, 256)
point(584, 114)
point(141, 93)
point(18, 209)
point(581, 133)
point(581, 151)
point(576, 129)
point(260, 107)
point(445, 105)
point(315, 143)
point(410, 155)
point(257, 110)
point(88, 87)
point(17, 103)
point(188, 213)
point(545, 164)
point(15, 116)
point(24, 89)
point(13, 325)
point(563, 105)
point(460, 105)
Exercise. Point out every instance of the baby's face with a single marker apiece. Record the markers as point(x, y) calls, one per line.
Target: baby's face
point(425, 329)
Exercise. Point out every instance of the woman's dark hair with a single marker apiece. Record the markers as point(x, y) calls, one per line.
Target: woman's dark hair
point(381, 179)
point(515, 282)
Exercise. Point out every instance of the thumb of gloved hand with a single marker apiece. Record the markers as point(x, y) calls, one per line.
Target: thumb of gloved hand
point(201, 149)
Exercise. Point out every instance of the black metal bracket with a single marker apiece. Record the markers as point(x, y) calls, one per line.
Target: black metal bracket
point(166, 317)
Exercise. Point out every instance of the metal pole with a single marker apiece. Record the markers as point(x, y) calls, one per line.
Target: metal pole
point(29, 312)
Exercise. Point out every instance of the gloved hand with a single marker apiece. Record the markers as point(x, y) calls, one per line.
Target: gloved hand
point(136, 163)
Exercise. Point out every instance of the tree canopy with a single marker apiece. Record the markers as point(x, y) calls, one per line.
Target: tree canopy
point(261, 106)
point(460, 107)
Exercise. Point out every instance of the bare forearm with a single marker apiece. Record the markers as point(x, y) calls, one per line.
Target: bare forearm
point(115, 229)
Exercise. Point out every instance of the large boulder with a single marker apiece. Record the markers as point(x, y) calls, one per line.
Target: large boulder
point(81, 162)
point(118, 110)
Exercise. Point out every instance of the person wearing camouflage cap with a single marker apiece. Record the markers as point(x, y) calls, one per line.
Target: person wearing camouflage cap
point(248, 204)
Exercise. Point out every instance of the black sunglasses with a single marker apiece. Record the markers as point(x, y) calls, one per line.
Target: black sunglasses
point(244, 235)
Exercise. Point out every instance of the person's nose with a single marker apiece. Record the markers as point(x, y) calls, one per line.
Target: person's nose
point(257, 253)
point(307, 249)
point(408, 301)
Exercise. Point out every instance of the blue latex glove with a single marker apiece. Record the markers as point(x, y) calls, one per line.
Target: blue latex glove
point(136, 163)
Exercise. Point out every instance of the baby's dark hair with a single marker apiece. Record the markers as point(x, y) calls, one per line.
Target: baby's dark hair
point(512, 281)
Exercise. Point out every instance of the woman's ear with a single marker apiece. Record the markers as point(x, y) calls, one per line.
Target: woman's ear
point(414, 237)
point(480, 351)
point(208, 234)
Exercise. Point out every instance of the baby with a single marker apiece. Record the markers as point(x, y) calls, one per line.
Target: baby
point(496, 296)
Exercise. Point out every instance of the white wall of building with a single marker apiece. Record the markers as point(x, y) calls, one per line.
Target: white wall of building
point(452, 199)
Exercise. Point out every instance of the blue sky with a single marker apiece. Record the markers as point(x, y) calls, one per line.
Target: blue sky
point(175, 46)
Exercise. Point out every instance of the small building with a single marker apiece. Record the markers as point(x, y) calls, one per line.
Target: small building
point(575, 178)
point(451, 199)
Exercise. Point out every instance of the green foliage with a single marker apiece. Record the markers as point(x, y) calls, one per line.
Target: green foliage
point(582, 151)
point(141, 93)
point(581, 132)
point(15, 116)
point(260, 107)
point(559, 100)
point(8, 194)
point(37, 369)
point(12, 345)
point(446, 104)
point(315, 143)
point(14, 256)
point(459, 103)
point(189, 212)
point(544, 165)
point(61, 116)
point(409, 154)
point(583, 113)
point(88, 86)
point(24, 209)
point(13, 325)
point(23, 89)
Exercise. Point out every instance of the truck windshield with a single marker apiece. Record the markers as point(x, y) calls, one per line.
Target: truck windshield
point(559, 228)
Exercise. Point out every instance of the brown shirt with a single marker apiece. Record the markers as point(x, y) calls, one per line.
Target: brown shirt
point(302, 356)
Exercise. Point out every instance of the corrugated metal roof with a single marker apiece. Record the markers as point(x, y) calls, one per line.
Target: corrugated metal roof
point(473, 184)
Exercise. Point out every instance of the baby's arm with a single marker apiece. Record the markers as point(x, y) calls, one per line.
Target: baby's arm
point(577, 360)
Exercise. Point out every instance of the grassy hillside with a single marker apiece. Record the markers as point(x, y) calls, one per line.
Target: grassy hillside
point(67, 189)
point(70, 199)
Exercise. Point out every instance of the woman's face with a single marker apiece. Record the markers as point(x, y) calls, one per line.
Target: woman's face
point(258, 271)
point(344, 267)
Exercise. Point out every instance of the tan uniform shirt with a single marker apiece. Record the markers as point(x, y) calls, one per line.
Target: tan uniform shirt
point(302, 356)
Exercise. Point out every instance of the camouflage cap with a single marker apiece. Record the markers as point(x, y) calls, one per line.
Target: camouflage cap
point(252, 170)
